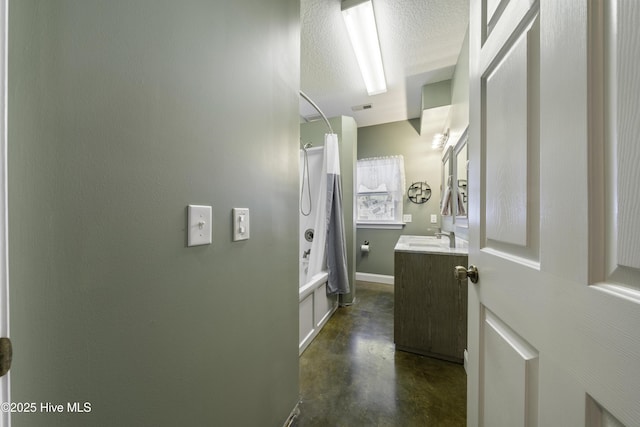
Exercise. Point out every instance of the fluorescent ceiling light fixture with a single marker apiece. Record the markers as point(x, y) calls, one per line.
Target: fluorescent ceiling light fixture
point(361, 26)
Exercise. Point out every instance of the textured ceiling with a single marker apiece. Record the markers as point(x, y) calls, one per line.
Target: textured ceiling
point(420, 42)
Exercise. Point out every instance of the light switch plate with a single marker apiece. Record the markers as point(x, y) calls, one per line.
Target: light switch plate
point(434, 219)
point(241, 224)
point(199, 225)
point(407, 218)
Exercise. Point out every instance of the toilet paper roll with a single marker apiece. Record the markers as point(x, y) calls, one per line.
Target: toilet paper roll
point(364, 248)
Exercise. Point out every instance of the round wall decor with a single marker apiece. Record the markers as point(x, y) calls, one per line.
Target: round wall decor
point(419, 192)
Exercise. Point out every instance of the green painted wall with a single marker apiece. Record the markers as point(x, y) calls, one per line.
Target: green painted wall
point(422, 163)
point(346, 129)
point(121, 113)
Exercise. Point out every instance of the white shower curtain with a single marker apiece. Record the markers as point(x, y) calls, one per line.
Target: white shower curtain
point(328, 250)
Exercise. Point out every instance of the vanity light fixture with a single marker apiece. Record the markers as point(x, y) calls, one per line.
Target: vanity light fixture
point(440, 139)
point(361, 25)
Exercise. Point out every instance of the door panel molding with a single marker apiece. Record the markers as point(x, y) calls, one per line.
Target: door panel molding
point(505, 144)
point(514, 16)
point(510, 372)
point(491, 13)
point(597, 416)
point(614, 148)
point(625, 124)
point(510, 146)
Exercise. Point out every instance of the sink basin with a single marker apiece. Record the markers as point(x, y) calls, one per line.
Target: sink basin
point(430, 244)
point(425, 244)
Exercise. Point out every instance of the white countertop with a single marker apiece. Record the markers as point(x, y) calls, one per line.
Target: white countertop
point(431, 244)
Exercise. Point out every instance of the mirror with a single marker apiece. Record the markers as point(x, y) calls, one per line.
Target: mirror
point(454, 195)
point(462, 173)
point(445, 190)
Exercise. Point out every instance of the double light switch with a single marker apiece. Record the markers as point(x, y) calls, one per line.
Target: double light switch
point(200, 225)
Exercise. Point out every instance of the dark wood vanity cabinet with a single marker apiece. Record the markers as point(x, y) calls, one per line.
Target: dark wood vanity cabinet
point(430, 309)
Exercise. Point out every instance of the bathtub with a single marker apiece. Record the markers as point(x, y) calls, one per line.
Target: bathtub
point(316, 307)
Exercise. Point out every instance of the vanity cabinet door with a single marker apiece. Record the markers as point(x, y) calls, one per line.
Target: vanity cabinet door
point(430, 305)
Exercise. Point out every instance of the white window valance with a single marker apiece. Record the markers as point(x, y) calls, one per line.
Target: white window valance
point(380, 187)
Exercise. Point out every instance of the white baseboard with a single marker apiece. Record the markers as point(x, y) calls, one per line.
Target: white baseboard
point(376, 278)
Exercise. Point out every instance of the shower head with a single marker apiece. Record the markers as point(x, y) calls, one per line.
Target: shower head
point(308, 145)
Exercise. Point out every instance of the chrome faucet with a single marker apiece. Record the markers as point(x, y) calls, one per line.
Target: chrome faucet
point(451, 235)
point(306, 253)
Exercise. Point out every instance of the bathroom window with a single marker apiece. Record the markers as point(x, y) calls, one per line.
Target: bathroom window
point(380, 189)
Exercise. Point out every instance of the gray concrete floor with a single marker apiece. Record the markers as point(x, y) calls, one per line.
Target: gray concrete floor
point(352, 376)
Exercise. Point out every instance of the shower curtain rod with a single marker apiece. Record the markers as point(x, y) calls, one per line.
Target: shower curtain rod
point(313, 104)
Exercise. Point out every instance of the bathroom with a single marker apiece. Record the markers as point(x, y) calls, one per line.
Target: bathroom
point(544, 199)
point(116, 125)
point(328, 353)
point(444, 109)
point(370, 246)
point(120, 114)
point(375, 263)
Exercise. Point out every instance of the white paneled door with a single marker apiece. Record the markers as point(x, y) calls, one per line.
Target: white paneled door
point(554, 144)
